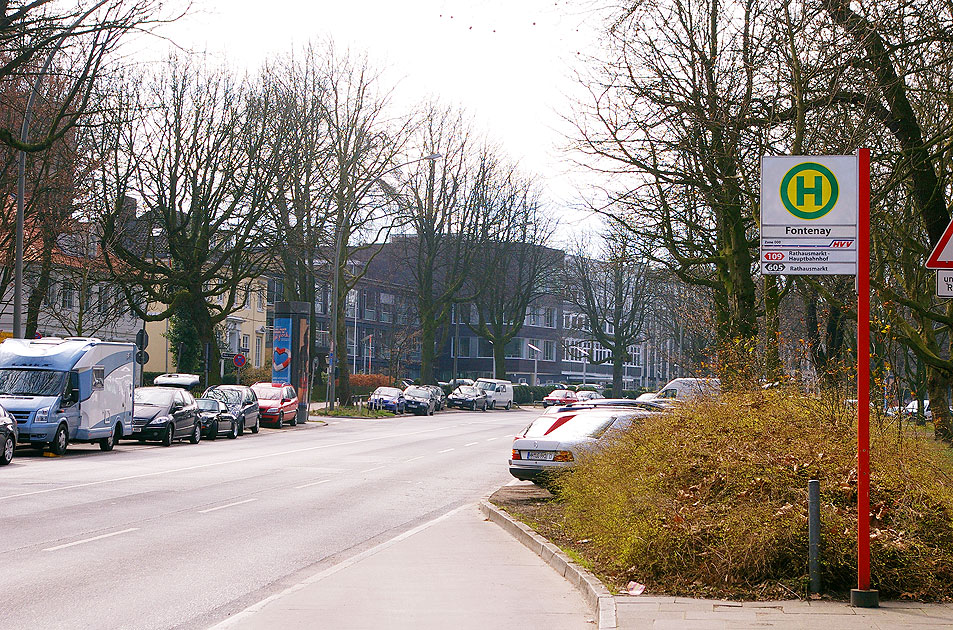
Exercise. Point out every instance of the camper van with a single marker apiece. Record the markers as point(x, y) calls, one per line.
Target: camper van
point(498, 393)
point(77, 389)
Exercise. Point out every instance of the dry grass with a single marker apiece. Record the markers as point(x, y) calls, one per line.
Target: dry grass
point(711, 500)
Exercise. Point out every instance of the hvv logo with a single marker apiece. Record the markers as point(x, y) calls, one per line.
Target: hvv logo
point(842, 244)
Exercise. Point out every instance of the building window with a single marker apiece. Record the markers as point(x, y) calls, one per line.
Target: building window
point(549, 350)
point(549, 317)
point(484, 348)
point(515, 349)
point(261, 300)
point(246, 344)
point(257, 351)
point(246, 304)
point(66, 295)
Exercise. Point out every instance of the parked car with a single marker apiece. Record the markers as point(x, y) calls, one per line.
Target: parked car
point(498, 393)
point(389, 398)
point(468, 397)
point(559, 397)
point(165, 414)
point(421, 400)
point(688, 388)
point(278, 403)
point(441, 396)
point(588, 394)
point(241, 401)
point(8, 437)
point(217, 419)
point(555, 443)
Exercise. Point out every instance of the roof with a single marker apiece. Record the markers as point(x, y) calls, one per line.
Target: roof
point(50, 352)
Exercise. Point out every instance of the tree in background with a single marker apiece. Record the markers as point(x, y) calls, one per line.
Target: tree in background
point(189, 144)
point(611, 289)
point(514, 267)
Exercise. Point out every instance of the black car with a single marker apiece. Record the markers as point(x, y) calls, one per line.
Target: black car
point(8, 437)
point(241, 401)
point(165, 414)
point(420, 400)
point(468, 397)
point(217, 419)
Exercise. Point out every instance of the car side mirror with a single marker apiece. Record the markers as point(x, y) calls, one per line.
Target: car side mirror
point(284, 400)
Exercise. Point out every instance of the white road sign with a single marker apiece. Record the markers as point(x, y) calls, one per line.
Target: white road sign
point(944, 283)
point(809, 215)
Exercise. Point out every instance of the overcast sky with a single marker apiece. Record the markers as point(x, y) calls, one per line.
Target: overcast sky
point(508, 62)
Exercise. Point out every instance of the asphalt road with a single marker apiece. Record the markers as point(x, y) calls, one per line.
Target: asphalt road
point(181, 537)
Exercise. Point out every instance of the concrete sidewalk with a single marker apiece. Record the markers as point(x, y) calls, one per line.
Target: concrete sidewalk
point(459, 571)
point(465, 572)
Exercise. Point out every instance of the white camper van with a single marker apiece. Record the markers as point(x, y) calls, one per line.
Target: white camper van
point(76, 389)
point(498, 393)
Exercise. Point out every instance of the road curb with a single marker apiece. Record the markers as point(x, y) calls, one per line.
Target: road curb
point(595, 593)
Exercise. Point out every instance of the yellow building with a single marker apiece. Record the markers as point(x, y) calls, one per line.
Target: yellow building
point(245, 331)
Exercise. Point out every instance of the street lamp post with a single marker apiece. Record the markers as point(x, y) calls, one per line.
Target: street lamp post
point(338, 237)
point(535, 359)
point(21, 175)
point(586, 357)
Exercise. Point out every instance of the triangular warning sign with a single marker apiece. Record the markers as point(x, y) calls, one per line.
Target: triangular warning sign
point(942, 255)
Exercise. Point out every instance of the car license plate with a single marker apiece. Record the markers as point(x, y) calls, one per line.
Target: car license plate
point(544, 455)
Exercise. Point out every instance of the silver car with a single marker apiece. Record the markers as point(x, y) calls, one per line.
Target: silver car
point(554, 443)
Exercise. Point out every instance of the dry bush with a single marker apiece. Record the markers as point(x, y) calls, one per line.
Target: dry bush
point(711, 499)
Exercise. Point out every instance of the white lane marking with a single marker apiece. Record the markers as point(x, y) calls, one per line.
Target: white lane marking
point(86, 540)
point(471, 443)
point(413, 459)
point(317, 577)
point(222, 507)
point(313, 483)
point(490, 439)
point(371, 469)
point(446, 450)
point(224, 463)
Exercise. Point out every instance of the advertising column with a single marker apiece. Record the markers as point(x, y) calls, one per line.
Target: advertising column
point(291, 355)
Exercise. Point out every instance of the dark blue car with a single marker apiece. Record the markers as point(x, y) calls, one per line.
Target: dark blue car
point(389, 398)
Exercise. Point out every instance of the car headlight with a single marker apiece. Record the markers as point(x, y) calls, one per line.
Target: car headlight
point(160, 420)
point(43, 415)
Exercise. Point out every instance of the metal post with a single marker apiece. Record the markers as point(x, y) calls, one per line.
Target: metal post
point(863, 596)
point(332, 355)
point(814, 534)
point(456, 339)
point(21, 176)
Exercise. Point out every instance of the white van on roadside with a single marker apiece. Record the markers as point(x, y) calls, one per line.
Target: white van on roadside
point(688, 388)
point(499, 393)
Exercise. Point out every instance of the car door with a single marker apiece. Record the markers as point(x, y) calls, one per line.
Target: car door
point(191, 412)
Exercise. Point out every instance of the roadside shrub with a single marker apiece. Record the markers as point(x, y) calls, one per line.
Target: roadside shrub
point(364, 384)
point(526, 394)
point(250, 376)
point(711, 500)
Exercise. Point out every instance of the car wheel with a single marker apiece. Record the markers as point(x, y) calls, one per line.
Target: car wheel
point(255, 428)
point(167, 435)
point(430, 410)
point(280, 421)
point(109, 443)
point(294, 419)
point(233, 434)
point(213, 430)
point(196, 436)
point(241, 427)
point(6, 455)
point(483, 408)
point(509, 404)
point(60, 440)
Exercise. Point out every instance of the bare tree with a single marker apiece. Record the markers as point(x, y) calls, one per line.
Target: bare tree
point(440, 203)
point(364, 143)
point(514, 267)
point(85, 32)
point(611, 290)
point(197, 161)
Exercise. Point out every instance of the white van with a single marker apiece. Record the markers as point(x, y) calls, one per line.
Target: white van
point(498, 393)
point(76, 389)
point(688, 388)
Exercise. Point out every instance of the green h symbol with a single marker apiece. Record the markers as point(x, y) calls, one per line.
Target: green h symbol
point(817, 190)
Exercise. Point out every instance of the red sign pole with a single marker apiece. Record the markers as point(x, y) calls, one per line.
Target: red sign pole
point(863, 596)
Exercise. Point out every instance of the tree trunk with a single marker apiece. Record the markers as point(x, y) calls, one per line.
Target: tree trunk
point(939, 404)
point(499, 360)
point(772, 329)
point(618, 372)
point(343, 388)
point(428, 336)
point(41, 289)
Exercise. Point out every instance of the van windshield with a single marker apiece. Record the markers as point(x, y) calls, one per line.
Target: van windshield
point(486, 386)
point(25, 382)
